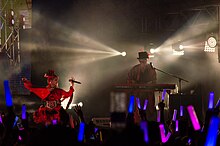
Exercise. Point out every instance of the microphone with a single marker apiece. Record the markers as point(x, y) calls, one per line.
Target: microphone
point(71, 80)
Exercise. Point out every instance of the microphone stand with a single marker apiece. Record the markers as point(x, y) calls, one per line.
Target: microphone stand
point(179, 78)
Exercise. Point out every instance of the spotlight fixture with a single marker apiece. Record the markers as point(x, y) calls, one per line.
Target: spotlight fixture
point(178, 49)
point(123, 54)
point(211, 41)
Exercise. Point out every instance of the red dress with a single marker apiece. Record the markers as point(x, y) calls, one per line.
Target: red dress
point(52, 103)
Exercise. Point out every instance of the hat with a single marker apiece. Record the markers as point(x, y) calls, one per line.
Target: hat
point(50, 74)
point(142, 55)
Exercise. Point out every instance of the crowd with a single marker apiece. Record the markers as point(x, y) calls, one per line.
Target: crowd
point(20, 130)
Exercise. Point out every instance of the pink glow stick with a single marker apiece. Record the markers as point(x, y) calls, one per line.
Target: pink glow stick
point(164, 138)
point(177, 125)
point(193, 117)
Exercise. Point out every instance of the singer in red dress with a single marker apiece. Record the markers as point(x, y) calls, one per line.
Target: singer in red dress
point(51, 112)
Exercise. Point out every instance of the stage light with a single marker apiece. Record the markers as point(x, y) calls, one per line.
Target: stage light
point(178, 49)
point(123, 54)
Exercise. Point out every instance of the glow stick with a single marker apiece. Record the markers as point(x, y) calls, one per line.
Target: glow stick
point(217, 104)
point(212, 132)
point(177, 125)
point(54, 122)
point(174, 115)
point(95, 129)
point(131, 104)
point(100, 136)
point(8, 94)
point(19, 138)
point(23, 114)
point(211, 100)
point(145, 104)
point(138, 103)
point(143, 126)
point(1, 119)
point(162, 134)
point(158, 116)
point(181, 111)
point(16, 119)
point(163, 94)
point(193, 117)
point(81, 132)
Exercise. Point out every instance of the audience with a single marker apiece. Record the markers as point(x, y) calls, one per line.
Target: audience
point(16, 131)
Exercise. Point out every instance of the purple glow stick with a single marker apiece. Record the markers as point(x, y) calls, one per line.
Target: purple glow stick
point(143, 126)
point(54, 122)
point(138, 103)
point(211, 100)
point(211, 137)
point(164, 138)
point(163, 94)
point(193, 117)
point(158, 116)
point(23, 114)
point(145, 104)
point(177, 125)
point(181, 111)
point(174, 115)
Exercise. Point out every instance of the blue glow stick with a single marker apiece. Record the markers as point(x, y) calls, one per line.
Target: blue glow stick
point(212, 132)
point(193, 117)
point(16, 119)
point(177, 126)
point(143, 126)
point(23, 114)
point(163, 94)
point(81, 132)
point(8, 96)
point(145, 104)
point(95, 129)
point(181, 111)
point(211, 100)
point(131, 104)
point(217, 104)
point(138, 103)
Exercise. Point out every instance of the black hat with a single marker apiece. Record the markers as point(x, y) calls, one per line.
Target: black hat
point(142, 55)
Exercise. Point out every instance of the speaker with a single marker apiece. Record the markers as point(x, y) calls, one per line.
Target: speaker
point(177, 100)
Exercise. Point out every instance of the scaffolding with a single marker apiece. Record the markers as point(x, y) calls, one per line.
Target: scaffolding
point(14, 16)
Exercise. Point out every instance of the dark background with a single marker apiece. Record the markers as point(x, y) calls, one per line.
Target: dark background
point(123, 25)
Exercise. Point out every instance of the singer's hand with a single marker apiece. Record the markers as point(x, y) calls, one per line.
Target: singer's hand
point(71, 81)
point(24, 79)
